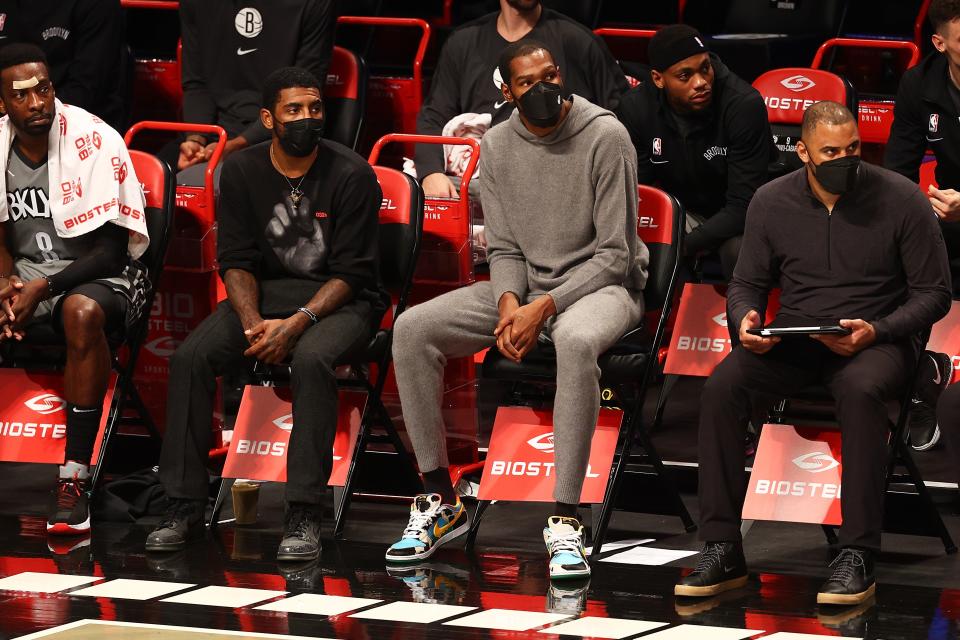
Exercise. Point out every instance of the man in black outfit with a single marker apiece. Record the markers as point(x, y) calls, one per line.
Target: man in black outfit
point(83, 42)
point(927, 115)
point(847, 243)
point(702, 134)
point(228, 49)
point(297, 246)
point(467, 79)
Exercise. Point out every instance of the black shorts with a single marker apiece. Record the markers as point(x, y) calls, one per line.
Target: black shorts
point(113, 303)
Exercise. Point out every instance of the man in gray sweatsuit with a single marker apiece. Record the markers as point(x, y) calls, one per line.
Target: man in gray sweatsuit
point(559, 189)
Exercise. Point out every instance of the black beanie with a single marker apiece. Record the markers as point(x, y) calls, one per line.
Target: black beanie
point(672, 44)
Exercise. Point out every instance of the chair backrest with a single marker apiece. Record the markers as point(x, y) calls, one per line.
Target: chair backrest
point(401, 231)
point(660, 224)
point(344, 97)
point(159, 189)
point(788, 92)
point(822, 17)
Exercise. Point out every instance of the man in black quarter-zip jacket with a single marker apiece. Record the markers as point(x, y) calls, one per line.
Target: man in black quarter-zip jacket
point(701, 134)
point(849, 244)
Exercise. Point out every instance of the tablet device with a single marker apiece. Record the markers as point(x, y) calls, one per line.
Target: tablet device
point(771, 332)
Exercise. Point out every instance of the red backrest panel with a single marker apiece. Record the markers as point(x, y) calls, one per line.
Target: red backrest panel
point(789, 92)
point(654, 216)
point(149, 170)
point(343, 75)
point(397, 196)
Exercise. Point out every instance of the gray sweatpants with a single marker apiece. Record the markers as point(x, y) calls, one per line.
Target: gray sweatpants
point(461, 322)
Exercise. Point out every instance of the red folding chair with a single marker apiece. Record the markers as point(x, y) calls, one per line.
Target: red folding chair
point(628, 367)
point(345, 97)
point(629, 47)
point(182, 302)
point(874, 67)
point(788, 93)
point(393, 100)
point(43, 349)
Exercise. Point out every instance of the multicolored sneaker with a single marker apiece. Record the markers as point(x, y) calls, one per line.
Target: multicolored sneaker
point(564, 539)
point(68, 508)
point(431, 525)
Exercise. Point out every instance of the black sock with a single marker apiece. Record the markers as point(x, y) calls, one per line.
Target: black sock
point(438, 481)
point(82, 426)
point(566, 510)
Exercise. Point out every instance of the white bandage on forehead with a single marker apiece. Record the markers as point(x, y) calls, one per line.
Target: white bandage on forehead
point(25, 84)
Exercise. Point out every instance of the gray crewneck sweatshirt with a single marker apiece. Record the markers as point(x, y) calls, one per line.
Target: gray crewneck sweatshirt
point(560, 212)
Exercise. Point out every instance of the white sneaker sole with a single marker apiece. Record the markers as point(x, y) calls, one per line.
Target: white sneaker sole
point(926, 446)
point(455, 533)
point(564, 574)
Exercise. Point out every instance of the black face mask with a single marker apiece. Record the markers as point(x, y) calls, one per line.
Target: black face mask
point(838, 176)
point(542, 104)
point(299, 138)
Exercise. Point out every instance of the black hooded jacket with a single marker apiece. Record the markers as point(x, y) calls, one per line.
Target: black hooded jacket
point(925, 115)
point(715, 168)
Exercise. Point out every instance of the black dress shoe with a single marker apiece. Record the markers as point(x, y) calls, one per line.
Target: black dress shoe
point(852, 580)
point(720, 567)
point(183, 521)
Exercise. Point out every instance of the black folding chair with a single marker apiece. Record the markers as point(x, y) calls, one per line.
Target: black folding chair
point(628, 367)
point(44, 347)
point(401, 230)
point(910, 512)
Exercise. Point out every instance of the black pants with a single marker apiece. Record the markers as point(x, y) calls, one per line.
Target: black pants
point(860, 386)
point(215, 347)
point(951, 239)
point(948, 417)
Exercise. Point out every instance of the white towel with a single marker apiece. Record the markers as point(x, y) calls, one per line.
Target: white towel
point(92, 180)
point(465, 125)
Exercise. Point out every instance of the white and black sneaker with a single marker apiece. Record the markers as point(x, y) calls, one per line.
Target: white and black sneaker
point(564, 539)
point(68, 508)
point(934, 376)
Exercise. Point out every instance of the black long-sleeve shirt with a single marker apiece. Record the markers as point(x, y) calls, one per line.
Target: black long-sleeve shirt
point(83, 42)
point(333, 235)
point(926, 115)
point(879, 256)
point(230, 46)
point(467, 81)
point(715, 167)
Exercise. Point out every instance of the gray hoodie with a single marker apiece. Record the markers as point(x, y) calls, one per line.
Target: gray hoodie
point(560, 212)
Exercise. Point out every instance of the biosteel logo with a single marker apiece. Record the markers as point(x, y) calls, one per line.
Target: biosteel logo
point(706, 343)
point(543, 442)
point(284, 422)
point(816, 462)
point(46, 404)
point(162, 347)
point(798, 83)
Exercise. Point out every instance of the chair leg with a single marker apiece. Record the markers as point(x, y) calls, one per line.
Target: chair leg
point(613, 487)
point(475, 523)
point(902, 452)
point(225, 485)
point(666, 476)
point(113, 418)
point(669, 382)
point(830, 534)
point(347, 495)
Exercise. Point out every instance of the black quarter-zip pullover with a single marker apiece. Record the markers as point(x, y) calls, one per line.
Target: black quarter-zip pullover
point(879, 256)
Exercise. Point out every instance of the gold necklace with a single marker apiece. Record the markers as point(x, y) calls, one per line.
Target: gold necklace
point(296, 195)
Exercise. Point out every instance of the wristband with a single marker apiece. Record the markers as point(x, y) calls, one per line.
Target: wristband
point(51, 289)
point(310, 314)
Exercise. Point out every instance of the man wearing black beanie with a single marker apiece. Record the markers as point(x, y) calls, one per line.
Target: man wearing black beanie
point(702, 134)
